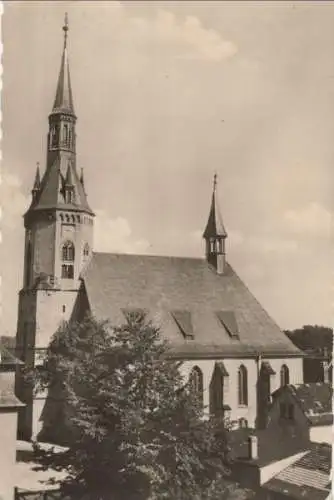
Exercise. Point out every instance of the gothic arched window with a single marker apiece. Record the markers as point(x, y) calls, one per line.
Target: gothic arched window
point(86, 251)
point(196, 383)
point(65, 132)
point(284, 375)
point(67, 256)
point(242, 386)
point(70, 137)
point(218, 387)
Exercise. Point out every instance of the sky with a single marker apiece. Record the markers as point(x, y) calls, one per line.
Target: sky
point(166, 94)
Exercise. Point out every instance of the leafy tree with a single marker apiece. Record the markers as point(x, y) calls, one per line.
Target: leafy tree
point(313, 339)
point(134, 429)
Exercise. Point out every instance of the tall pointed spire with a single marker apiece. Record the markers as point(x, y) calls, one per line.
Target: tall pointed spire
point(64, 100)
point(215, 234)
point(215, 226)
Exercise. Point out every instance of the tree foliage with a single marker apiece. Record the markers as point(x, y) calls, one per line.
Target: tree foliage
point(134, 429)
point(312, 338)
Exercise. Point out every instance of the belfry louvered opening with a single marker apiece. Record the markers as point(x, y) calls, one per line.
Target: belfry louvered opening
point(229, 322)
point(184, 322)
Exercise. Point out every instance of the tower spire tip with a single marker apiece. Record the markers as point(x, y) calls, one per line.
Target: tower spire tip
point(215, 181)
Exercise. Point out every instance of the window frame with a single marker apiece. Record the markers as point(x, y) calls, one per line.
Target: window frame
point(196, 384)
point(242, 386)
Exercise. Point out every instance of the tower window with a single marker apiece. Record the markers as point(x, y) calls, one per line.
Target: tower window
point(196, 384)
point(213, 245)
point(242, 386)
point(65, 133)
point(67, 271)
point(86, 251)
point(67, 254)
point(54, 135)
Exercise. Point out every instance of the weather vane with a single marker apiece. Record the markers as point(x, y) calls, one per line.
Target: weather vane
point(65, 27)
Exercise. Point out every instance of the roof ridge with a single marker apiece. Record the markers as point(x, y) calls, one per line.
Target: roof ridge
point(150, 255)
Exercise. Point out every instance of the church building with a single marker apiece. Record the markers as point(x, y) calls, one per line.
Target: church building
point(233, 352)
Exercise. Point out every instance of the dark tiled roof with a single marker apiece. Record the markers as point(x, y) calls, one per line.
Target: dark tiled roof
point(163, 284)
point(308, 477)
point(315, 400)
point(7, 357)
point(52, 184)
point(270, 448)
point(215, 225)
point(7, 396)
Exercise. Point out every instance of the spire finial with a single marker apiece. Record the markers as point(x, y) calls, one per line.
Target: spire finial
point(215, 181)
point(65, 28)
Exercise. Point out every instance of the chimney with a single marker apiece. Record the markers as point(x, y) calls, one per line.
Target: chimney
point(253, 451)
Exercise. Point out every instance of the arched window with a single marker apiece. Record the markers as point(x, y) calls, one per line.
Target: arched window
point(65, 132)
point(242, 386)
point(218, 387)
point(196, 383)
point(86, 251)
point(285, 377)
point(67, 255)
point(54, 135)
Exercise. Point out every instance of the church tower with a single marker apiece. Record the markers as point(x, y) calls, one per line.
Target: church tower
point(215, 235)
point(58, 243)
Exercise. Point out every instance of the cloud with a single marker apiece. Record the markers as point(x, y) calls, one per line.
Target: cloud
point(312, 220)
point(201, 43)
point(13, 201)
point(165, 30)
point(115, 235)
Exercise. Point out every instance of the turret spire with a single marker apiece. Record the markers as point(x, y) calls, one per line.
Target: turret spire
point(37, 184)
point(64, 100)
point(215, 234)
point(215, 226)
